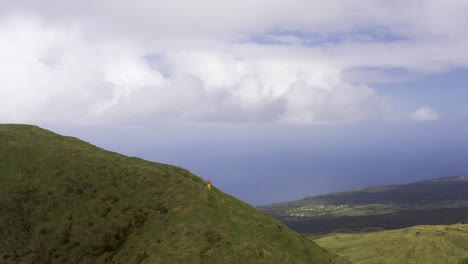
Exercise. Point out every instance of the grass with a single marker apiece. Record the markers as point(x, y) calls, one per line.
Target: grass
point(65, 201)
point(419, 244)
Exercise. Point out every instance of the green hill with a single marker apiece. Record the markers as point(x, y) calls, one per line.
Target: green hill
point(419, 244)
point(440, 201)
point(65, 201)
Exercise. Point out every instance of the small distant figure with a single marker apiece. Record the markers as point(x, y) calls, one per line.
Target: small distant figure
point(208, 185)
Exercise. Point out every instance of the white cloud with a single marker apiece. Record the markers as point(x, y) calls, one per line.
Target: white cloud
point(55, 74)
point(425, 114)
point(87, 61)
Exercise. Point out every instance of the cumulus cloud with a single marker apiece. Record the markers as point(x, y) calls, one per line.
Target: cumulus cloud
point(54, 74)
point(141, 61)
point(425, 114)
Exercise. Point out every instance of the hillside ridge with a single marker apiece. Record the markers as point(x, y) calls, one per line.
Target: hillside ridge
point(63, 200)
point(432, 244)
point(437, 201)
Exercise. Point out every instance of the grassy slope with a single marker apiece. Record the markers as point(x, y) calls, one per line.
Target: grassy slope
point(65, 201)
point(419, 244)
point(441, 201)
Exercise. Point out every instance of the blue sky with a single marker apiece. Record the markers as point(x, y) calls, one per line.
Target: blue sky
point(367, 33)
point(272, 100)
point(272, 163)
point(447, 91)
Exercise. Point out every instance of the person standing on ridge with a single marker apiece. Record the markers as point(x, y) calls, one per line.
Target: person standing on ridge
point(208, 185)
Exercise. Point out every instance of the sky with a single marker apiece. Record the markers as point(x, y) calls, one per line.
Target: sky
point(271, 100)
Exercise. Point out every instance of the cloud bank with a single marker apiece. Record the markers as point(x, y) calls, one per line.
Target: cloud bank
point(235, 62)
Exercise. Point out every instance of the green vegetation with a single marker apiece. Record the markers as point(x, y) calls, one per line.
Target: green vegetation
point(65, 201)
point(419, 244)
point(465, 221)
point(323, 225)
point(440, 201)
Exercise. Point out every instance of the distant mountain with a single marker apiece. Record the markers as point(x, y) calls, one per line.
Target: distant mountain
point(65, 201)
point(419, 244)
point(439, 201)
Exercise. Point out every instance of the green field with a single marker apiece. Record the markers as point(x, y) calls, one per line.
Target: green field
point(419, 244)
point(65, 201)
